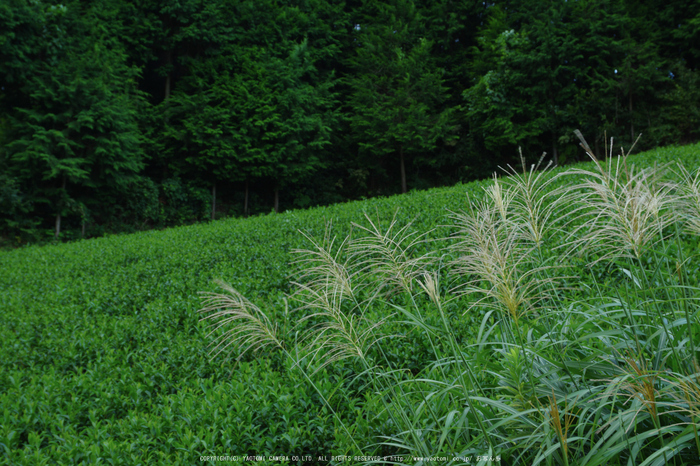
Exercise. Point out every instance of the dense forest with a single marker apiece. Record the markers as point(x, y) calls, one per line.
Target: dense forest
point(119, 115)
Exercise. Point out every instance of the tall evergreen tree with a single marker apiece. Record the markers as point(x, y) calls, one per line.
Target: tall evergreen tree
point(545, 69)
point(77, 131)
point(251, 104)
point(397, 92)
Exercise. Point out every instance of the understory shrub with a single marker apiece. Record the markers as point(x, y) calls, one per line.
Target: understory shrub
point(182, 202)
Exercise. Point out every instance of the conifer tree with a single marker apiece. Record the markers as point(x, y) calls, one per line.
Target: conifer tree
point(397, 93)
point(252, 109)
point(76, 132)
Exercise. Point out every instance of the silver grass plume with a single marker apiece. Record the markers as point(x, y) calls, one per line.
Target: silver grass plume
point(340, 330)
point(387, 255)
point(624, 210)
point(251, 329)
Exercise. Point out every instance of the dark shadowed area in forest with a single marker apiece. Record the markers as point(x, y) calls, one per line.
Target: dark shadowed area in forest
point(129, 115)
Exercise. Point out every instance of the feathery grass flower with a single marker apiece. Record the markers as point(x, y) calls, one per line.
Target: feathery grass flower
point(252, 329)
point(340, 328)
point(534, 199)
point(492, 250)
point(689, 202)
point(387, 255)
point(625, 210)
point(323, 270)
point(640, 383)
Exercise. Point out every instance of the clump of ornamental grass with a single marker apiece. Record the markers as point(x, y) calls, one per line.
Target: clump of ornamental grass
point(536, 200)
point(625, 210)
point(327, 298)
point(499, 240)
point(333, 278)
point(605, 374)
point(388, 260)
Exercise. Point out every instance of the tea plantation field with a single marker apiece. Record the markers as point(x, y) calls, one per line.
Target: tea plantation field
point(105, 359)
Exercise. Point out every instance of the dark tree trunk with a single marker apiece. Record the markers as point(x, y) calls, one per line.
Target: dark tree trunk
point(552, 109)
point(213, 201)
point(245, 200)
point(167, 78)
point(83, 218)
point(631, 120)
point(404, 188)
point(58, 215)
point(277, 199)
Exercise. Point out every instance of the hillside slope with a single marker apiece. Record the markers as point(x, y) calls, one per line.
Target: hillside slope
point(104, 355)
